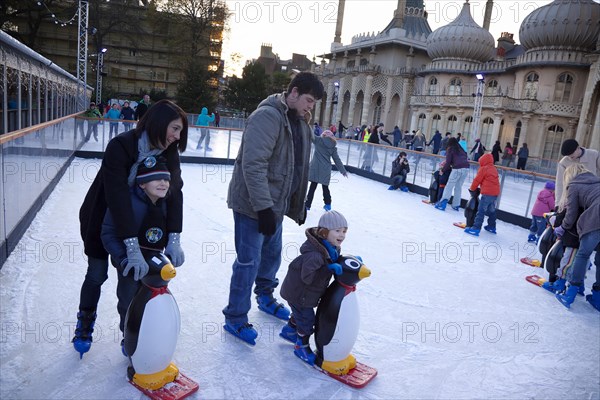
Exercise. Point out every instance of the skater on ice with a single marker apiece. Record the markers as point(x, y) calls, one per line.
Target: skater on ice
point(162, 131)
point(544, 203)
point(319, 171)
point(582, 192)
point(487, 180)
point(308, 277)
point(269, 181)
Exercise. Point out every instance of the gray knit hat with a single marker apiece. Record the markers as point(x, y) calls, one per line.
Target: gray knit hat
point(332, 220)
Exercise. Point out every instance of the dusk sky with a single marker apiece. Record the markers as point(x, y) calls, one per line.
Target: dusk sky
point(308, 26)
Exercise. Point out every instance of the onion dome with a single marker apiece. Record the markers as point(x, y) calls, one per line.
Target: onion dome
point(564, 24)
point(461, 39)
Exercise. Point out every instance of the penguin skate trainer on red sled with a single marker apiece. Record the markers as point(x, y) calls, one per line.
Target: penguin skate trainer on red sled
point(152, 327)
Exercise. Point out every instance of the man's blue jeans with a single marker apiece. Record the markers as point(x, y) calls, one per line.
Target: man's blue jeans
point(587, 244)
point(258, 260)
point(487, 206)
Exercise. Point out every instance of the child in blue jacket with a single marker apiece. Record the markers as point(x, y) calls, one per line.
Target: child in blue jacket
point(150, 215)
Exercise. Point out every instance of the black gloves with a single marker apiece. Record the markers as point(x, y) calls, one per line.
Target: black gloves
point(267, 222)
point(475, 193)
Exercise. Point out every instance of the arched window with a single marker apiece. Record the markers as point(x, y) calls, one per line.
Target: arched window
point(377, 109)
point(517, 134)
point(554, 138)
point(434, 124)
point(562, 89)
point(433, 88)
point(491, 88)
point(531, 85)
point(468, 126)
point(421, 123)
point(455, 87)
point(486, 132)
point(452, 124)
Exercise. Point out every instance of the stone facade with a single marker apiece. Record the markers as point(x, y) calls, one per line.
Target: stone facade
point(408, 76)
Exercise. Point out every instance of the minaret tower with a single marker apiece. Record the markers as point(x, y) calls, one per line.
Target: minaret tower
point(489, 7)
point(400, 12)
point(337, 40)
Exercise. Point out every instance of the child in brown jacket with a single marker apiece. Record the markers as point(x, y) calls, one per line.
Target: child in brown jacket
point(308, 277)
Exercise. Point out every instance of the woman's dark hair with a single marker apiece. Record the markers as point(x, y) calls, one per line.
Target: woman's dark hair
point(453, 145)
point(374, 138)
point(508, 144)
point(307, 82)
point(156, 120)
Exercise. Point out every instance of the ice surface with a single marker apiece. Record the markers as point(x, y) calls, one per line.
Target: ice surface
point(444, 314)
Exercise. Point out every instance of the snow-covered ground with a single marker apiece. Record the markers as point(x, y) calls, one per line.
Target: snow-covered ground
point(444, 314)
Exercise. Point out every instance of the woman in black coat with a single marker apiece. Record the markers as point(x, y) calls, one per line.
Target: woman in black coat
point(163, 130)
point(496, 150)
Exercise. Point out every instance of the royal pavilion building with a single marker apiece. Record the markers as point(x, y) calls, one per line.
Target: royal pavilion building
point(459, 79)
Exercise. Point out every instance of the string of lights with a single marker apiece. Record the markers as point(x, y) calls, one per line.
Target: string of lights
point(57, 21)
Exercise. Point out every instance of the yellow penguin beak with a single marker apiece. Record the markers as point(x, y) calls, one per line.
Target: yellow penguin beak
point(364, 272)
point(167, 272)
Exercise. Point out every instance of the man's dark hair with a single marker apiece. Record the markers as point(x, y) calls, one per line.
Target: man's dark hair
point(307, 83)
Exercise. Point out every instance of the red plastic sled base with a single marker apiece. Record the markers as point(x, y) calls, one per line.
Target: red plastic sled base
point(358, 377)
point(178, 389)
point(461, 225)
point(535, 279)
point(531, 262)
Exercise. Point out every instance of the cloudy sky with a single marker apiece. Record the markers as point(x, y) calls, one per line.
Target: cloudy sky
point(308, 26)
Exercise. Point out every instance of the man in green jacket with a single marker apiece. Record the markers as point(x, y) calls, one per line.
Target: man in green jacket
point(269, 181)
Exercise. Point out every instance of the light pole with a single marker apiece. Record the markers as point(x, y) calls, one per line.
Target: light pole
point(336, 90)
point(82, 43)
point(478, 106)
point(99, 75)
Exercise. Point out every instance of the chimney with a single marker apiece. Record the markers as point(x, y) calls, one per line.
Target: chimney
point(339, 22)
point(489, 6)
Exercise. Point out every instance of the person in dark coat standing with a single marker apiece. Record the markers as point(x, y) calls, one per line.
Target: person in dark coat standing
point(437, 142)
point(341, 128)
point(496, 150)
point(397, 136)
point(477, 150)
point(162, 131)
point(319, 171)
point(142, 107)
point(522, 156)
point(127, 115)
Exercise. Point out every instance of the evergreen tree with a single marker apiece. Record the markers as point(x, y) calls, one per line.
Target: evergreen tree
point(247, 92)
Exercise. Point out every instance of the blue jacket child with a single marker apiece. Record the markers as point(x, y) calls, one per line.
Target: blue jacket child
point(150, 216)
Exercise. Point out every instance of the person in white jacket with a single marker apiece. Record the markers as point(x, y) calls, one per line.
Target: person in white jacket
point(575, 154)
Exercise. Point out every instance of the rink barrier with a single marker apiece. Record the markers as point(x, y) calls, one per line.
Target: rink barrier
point(55, 144)
point(33, 160)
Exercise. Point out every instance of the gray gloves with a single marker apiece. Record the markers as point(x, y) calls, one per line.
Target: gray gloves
point(174, 250)
point(135, 259)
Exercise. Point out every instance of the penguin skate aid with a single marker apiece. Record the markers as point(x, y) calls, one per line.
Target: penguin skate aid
point(152, 328)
